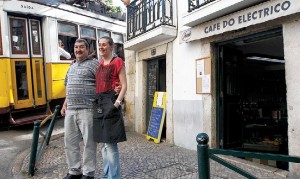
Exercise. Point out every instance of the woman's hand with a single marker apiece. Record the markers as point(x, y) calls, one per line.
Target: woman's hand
point(117, 103)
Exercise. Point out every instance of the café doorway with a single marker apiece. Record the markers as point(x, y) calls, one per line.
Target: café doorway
point(156, 81)
point(251, 94)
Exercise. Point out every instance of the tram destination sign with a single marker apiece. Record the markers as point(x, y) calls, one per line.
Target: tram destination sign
point(260, 13)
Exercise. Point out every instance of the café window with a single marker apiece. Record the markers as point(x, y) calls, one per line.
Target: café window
point(119, 47)
point(18, 36)
point(67, 34)
point(89, 34)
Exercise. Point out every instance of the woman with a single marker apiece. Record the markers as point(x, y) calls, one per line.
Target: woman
point(108, 121)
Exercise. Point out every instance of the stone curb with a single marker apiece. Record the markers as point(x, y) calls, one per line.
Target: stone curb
point(16, 168)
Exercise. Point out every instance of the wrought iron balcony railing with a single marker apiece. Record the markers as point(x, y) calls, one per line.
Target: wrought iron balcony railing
point(195, 4)
point(145, 15)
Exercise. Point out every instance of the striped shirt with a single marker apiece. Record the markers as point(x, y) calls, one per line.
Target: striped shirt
point(80, 84)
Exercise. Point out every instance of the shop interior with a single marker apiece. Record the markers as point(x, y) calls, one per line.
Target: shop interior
point(253, 114)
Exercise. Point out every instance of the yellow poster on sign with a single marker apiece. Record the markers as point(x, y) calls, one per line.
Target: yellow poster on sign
point(157, 117)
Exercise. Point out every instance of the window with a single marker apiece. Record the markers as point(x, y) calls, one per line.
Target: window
point(35, 37)
point(67, 34)
point(118, 38)
point(102, 33)
point(119, 48)
point(1, 50)
point(89, 34)
point(67, 29)
point(22, 81)
point(18, 36)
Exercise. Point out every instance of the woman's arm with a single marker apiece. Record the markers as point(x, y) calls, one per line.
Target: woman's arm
point(123, 81)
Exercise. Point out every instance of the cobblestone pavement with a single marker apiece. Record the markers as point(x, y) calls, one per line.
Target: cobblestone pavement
point(143, 159)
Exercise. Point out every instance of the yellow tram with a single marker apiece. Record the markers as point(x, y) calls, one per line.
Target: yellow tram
point(31, 70)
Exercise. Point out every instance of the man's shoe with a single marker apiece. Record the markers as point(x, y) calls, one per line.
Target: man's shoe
point(69, 176)
point(86, 177)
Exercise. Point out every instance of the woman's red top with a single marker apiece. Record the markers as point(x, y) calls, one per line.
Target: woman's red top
point(108, 75)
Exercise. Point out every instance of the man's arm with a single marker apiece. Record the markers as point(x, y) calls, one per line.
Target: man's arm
point(64, 107)
point(118, 88)
point(64, 53)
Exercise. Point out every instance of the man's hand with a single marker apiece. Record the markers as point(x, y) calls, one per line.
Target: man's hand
point(63, 109)
point(73, 61)
point(118, 88)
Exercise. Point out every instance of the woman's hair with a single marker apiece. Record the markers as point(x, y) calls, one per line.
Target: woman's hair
point(109, 39)
point(84, 41)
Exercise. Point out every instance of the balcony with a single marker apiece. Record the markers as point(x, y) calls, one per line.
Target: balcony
point(200, 11)
point(149, 22)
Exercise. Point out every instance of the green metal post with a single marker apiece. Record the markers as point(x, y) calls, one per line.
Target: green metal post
point(203, 158)
point(35, 140)
point(50, 128)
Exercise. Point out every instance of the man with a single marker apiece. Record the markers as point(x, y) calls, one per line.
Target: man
point(78, 111)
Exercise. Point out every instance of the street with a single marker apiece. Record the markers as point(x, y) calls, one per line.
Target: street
point(16, 141)
point(139, 157)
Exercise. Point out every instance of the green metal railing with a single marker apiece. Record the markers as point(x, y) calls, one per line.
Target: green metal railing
point(35, 150)
point(204, 154)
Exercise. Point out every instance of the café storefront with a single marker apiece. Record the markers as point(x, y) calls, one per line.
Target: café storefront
point(255, 60)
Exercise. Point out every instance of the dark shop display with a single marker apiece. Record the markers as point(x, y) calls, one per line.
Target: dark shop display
point(256, 103)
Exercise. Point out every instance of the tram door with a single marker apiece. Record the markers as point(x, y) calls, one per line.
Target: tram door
point(27, 65)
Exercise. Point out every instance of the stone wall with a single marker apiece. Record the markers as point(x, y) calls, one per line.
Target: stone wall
point(292, 53)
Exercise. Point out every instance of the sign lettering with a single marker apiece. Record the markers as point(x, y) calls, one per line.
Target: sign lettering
point(250, 16)
point(258, 14)
point(26, 7)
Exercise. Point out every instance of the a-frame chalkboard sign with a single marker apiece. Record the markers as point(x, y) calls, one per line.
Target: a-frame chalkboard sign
point(157, 117)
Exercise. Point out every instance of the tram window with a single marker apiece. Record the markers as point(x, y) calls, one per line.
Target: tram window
point(68, 34)
point(68, 45)
point(18, 36)
point(67, 29)
point(38, 66)
point(93, 47)
point(119, 48)
point(35, 37)
point(1, 50)
point(118, 38)
point(102, 33)
point(22, 84)
point(89, 34)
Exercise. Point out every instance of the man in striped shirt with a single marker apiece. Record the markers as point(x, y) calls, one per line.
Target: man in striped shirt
point(78, 110)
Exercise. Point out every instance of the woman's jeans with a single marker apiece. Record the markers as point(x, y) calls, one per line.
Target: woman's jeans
point(111, 162)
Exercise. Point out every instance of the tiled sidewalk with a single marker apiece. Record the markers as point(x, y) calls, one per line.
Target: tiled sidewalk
point(143, 159)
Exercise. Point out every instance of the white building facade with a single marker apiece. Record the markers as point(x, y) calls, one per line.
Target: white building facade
point(252, 77)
